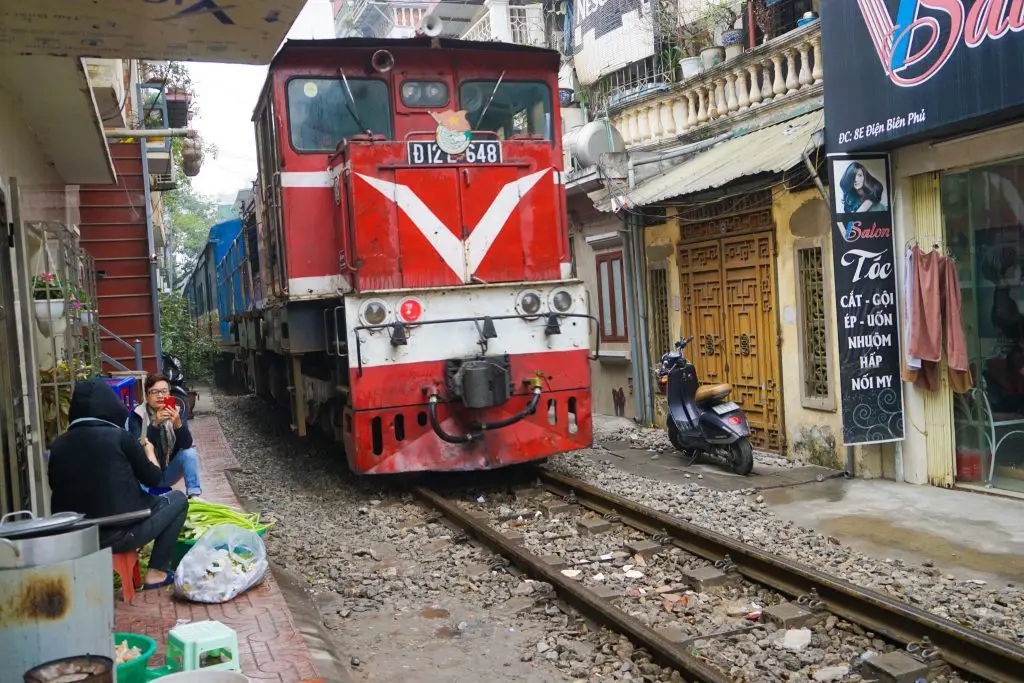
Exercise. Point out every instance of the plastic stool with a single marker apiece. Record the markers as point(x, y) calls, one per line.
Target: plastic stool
point(126, 566)
point(187, 644)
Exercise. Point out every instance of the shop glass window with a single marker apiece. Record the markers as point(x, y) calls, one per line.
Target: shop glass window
point(983, 215)
point(611, 294)
point(320, 113)
point(518, 107)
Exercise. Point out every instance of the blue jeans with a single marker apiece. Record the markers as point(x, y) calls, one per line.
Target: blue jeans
point(185, 464)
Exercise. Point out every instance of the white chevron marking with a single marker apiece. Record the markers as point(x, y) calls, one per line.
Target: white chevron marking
point(462, 256)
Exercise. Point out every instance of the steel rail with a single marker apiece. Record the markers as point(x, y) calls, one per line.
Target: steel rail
point(586, 601)
point(991, 659)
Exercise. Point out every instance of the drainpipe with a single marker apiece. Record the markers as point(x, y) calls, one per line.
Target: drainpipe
point(631, 322)
point(642, 158)
point(851, 469)
point(643, 332)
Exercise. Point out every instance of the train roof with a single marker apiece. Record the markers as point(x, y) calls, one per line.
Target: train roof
point(292, 46)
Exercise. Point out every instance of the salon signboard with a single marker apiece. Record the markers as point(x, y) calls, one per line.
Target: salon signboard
point(897, 71)
point(867, 310)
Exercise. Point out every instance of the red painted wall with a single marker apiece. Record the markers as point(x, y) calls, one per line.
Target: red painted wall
point(115, 233)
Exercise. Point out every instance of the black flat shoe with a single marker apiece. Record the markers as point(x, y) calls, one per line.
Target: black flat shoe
point(159, 584)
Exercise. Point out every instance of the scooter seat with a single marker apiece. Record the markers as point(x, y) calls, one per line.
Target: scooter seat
point(712, 392)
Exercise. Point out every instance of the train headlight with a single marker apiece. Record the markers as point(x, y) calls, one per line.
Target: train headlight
point(529, 303)
point(374, 312)
point(412, 93)
point(561, 301)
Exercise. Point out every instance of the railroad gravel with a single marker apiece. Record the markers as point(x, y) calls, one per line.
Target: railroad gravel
point(402, 596)
point(743, 515)
point(623, 430)
point(720, 624)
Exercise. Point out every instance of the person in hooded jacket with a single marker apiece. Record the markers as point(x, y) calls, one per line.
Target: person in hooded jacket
point(96, 468)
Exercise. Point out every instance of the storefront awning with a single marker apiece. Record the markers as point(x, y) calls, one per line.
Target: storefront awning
point(770, 150)
point(53, 97)
point(198, 30)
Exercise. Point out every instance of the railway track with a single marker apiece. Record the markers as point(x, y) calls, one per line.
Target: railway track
point(928, 639)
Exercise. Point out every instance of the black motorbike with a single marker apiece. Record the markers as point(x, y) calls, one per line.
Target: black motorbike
point(700, 419)
point(176, 378)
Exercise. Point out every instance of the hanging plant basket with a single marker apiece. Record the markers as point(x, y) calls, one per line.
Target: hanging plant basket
point(50, 316)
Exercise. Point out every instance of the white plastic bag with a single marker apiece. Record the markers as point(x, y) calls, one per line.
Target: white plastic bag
point(227, 561)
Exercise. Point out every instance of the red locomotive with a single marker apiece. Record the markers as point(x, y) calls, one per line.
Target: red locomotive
point(411, 290)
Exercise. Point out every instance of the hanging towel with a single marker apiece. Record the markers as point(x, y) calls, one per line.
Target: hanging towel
point(912, 364)
point(926, 324)
point(956, 341)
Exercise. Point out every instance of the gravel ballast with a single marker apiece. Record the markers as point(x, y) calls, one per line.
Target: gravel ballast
point(743, 515)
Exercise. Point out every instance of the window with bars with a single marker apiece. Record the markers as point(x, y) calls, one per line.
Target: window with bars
point(815, 349)
point(661, 334)
point(611, 294)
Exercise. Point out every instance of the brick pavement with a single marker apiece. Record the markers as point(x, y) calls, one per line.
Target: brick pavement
point(270, 646)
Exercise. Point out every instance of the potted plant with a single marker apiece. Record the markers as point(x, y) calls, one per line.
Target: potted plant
point(691, 39)
point(48, 293)
point(82, 305)
point(718, 16)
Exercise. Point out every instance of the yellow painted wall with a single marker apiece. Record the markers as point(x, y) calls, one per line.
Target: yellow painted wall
point(812, 434)
point(660, 245)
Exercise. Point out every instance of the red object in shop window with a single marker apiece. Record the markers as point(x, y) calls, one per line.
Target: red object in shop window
point(968, 465)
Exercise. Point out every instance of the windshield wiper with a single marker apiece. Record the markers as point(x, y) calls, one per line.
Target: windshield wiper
point(352, 106)
point(486, 106)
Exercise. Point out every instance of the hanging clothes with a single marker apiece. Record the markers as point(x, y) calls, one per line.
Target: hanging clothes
point(912, 364)
point(925, 340)
point(956, 340)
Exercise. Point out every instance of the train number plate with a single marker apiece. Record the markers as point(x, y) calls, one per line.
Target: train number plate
point(726, 408)
point(428, 153)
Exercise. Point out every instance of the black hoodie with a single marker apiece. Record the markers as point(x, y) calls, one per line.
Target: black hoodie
point(96, 466)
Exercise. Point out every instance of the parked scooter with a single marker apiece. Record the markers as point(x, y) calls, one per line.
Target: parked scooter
point(700, 419)
point(176, 378)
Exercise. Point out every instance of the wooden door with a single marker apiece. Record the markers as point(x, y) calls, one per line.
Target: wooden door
point(728, 292)
point(752, 348)
point(700, 279)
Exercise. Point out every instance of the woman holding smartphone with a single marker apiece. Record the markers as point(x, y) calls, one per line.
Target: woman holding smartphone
point(166, 429)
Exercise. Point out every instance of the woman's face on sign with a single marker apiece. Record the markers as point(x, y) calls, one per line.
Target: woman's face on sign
point(858, 179)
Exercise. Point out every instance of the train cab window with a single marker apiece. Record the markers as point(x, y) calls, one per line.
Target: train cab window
point(424, 93)
point(321, 114)
point(518, 107)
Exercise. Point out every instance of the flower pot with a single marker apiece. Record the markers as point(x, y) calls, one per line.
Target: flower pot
point(732, 40)
point(690, 66)
point(50, 316)
point(86, 317)
point(710, 57)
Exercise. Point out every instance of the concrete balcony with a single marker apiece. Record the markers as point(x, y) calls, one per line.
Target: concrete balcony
point(777, 75)
point(106, 77)
point(519, 24)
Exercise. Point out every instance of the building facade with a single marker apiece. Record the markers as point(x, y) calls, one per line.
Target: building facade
point(949, 120)
point(715, 188)
point(61, 170)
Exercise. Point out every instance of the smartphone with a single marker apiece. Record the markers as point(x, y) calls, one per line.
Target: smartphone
point(170, 403)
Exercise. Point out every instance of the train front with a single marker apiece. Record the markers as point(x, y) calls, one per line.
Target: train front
point(467, 341)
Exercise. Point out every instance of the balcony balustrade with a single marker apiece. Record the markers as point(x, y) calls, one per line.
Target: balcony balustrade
point(786, 68)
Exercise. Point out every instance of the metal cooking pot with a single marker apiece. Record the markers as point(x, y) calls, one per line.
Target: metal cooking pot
point(37, 541)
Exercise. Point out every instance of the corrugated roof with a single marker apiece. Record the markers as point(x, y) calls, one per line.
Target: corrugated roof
point(770, 150)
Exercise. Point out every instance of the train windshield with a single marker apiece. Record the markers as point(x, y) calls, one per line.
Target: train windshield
point(518, 107)
point(320, 113)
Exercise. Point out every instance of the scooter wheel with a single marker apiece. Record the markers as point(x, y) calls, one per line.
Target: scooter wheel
point(741, 457)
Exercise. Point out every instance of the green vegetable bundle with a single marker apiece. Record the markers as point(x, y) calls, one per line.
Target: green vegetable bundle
point(203, 516)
